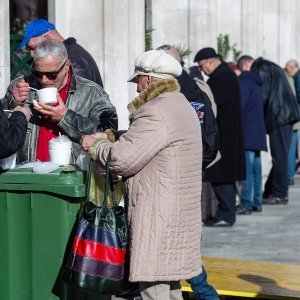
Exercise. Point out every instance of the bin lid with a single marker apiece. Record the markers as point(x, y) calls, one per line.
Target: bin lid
point(66, 181)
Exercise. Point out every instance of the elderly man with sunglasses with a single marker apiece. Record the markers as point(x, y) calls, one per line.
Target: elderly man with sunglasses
point(82, 107)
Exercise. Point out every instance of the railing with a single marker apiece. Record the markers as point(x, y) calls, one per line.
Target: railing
point(19, 59)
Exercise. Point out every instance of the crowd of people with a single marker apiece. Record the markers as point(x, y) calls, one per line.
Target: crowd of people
point(183, 131)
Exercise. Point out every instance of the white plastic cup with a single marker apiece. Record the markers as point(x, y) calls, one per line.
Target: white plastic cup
point(47, 95)
point(60, 150)
point(8, 162)
point(60, 156)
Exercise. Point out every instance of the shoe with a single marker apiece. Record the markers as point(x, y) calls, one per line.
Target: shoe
point(291, 181)
point(217, 223)
point(257, 208)
point(275, 200)
point(243, 211)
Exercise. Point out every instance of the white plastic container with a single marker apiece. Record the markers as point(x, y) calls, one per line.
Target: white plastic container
point(61, 157)
point(47, 95)
point(8, 162)
point(60, 150)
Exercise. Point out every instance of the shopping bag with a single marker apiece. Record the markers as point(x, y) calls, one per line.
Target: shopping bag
point(97, 258)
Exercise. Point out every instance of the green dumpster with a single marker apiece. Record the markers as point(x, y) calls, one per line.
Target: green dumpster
point(37, 213)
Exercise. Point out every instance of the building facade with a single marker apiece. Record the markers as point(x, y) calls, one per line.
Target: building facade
point(113, 31)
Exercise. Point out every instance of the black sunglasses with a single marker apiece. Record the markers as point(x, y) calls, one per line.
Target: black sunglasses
point(50, 75)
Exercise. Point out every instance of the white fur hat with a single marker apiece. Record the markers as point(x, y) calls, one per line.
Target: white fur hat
point(156, 63)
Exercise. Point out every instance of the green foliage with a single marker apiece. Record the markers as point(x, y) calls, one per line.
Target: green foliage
point(17, 26)
point(224, 47)
point(183, 52)
point(148, 38)
point(19, 59)
point(236, 53)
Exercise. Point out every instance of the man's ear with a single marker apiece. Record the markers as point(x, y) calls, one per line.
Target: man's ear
point(68, 63)
point(47, 35)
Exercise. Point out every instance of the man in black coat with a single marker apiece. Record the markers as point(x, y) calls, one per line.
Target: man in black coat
point(231, 167)
point(281, 111)
point(13, 130)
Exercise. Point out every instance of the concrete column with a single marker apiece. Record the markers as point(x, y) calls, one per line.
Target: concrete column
point(4, 47)
point(113, 32)
point(251, 28)
point(287, 31)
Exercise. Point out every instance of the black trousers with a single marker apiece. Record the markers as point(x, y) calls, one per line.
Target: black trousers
point(225, 193)
point(277, 182)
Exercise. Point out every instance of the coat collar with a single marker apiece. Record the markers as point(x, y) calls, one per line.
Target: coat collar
point(153, 91)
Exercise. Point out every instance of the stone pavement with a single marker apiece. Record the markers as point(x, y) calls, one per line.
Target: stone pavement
point(271, 235)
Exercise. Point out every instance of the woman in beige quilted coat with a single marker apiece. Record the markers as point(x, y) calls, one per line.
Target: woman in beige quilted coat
point(161, 156)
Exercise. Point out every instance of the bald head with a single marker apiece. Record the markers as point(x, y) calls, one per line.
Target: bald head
point(171, 50)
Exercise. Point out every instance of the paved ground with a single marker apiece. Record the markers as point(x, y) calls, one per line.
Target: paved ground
point(272, 235)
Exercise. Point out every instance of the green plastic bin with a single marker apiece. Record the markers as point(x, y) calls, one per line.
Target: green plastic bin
point(37, 213)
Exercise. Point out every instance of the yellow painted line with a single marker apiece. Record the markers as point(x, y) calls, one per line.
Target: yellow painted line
point(186, 288)
point(251, 279)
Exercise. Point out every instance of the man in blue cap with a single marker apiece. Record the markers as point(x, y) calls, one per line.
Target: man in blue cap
point(83, 63)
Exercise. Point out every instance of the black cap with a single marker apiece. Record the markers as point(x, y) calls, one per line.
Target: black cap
point(206, 53)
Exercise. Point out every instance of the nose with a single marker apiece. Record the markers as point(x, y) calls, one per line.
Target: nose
point(44, 80)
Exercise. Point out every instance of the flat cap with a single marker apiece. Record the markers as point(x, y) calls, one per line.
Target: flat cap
point(156, 63)
point(206, 53)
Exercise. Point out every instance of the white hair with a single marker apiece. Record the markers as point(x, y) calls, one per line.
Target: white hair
point(51, 48)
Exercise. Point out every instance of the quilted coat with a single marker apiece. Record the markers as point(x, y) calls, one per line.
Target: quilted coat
point(161, 156)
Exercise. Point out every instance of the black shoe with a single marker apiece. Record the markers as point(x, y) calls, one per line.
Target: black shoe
point(257, 208)
point(291, 181)
point(217, 223)
point(243, 211)
point(276, 200)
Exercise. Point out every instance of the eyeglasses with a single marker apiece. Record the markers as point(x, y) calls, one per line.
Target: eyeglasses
point(50, 75)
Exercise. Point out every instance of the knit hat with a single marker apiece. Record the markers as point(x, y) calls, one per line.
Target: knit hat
point(157, 64)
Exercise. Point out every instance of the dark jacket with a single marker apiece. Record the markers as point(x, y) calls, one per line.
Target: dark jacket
point(254, 130)
point(83, 63)
point(209, 127)
point(226, 90)
point(12, 132)
point(88, 110)
point(280, 105)
point(297, 86)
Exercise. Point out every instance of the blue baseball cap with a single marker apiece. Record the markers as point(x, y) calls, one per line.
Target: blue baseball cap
point(34, 29)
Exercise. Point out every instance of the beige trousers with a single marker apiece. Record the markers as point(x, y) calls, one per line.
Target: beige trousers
point(161, 290)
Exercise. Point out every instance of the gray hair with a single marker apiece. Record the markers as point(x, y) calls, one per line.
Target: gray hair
point(51, 48)
point(171, 50)
point(243, 60)
point(292, 63)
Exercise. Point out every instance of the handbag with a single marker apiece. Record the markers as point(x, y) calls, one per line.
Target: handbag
point(97, 258)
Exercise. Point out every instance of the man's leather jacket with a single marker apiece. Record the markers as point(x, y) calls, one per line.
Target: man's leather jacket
point(88, 110)
point(280, 105)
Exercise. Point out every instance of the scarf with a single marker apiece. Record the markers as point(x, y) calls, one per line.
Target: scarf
point(49, 130)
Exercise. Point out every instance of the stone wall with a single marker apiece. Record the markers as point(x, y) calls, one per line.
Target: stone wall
point(113, 32)
point(258, 27)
